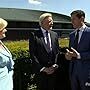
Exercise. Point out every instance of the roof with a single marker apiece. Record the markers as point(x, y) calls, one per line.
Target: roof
point(13, 14)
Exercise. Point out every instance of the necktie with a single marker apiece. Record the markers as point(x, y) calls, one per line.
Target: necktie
point(76, 40)
point(48, 42)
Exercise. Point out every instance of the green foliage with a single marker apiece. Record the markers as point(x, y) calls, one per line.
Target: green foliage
point(64, 42)
point(19, 49)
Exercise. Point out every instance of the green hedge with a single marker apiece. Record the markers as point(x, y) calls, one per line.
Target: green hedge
point(19, 49)
point(63, 42)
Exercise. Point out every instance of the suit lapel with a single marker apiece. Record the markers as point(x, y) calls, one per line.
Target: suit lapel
point(83, 35)
point(52, 40)
point(81, 39)
point(72, 40)
point(42, 40)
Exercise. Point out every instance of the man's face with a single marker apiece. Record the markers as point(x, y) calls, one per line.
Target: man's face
point(47, 23)
point(76, 22)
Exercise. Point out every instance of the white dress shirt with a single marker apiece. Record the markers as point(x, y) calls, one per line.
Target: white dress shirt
point(80, 32)
point(45, 38)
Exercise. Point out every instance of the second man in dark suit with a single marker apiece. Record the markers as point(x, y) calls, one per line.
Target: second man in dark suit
point(43, 50)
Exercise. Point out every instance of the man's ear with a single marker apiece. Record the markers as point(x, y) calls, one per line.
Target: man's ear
point(82, 19)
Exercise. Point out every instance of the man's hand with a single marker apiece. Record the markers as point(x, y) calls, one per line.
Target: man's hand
point(70, 54)
point(75, 53)
point(49, 70)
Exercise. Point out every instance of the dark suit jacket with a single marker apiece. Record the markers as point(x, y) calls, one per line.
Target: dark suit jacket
point(83, 46)
point(38, 50)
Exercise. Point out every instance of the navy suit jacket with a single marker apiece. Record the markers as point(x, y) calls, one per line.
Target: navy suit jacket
point(83, 46)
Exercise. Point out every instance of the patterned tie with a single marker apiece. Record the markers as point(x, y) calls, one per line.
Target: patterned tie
point(48, 42)
point(76, 39)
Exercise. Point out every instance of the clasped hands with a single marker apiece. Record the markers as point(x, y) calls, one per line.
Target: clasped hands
point(71, 53)
point(50, 70)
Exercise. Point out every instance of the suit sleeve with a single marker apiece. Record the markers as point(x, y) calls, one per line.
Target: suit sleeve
point(33, 53)
point(57, 49)
point(57, 43)
point(86, 55)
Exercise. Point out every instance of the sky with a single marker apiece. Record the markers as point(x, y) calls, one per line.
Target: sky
point(58, 6)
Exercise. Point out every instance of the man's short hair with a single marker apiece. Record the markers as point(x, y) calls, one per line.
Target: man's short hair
point(78, 13)
point(43, 16)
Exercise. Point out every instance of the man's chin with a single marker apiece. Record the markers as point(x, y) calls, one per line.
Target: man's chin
point(50, 28)
point(75, 27)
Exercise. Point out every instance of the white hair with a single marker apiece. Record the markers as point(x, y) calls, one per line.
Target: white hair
point(43, 16)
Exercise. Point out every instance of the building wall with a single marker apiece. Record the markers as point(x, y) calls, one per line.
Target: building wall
point(20, 30)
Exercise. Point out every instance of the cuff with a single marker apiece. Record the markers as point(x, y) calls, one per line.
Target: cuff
point(78, 56)
point(42, 69)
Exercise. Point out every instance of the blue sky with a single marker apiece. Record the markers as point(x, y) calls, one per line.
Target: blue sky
point(58, 6)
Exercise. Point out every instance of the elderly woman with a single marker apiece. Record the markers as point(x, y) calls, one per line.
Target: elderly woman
point(6, 62)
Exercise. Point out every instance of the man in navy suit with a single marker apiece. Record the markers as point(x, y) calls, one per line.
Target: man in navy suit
point(79, 52)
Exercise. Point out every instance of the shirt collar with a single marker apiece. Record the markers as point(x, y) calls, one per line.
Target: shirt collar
point(43, 30)
point(82, 28)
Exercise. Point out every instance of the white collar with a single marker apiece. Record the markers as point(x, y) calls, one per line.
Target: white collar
point(43, 30)
point(82, 28)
